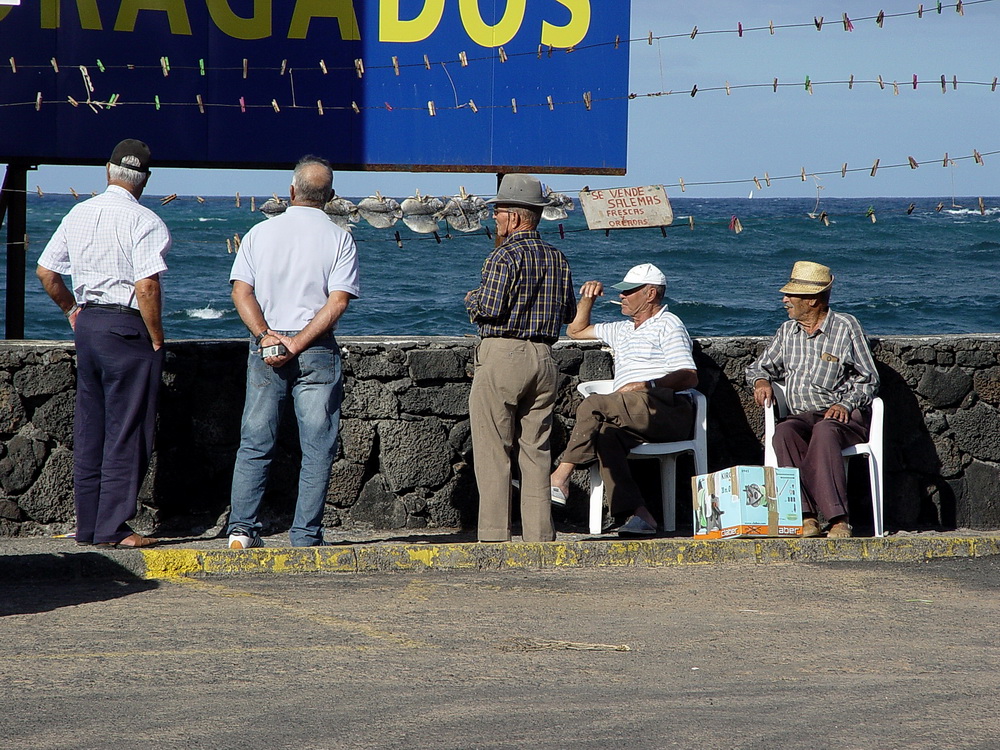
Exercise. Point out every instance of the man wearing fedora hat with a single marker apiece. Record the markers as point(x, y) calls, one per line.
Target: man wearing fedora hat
point(830, 380)
point(524, 299)
point(115, 250)
point(653, 359)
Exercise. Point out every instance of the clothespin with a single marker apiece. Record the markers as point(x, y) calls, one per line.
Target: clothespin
point(939, 7)
point(650, 40)
point(562, 232)
point(914, 81)
point(236, 242)
point(112, 101)
point(552, 105)
point(168, 198)
point(54, 64)
point(982, 207)
point(607, 232)
point(954, 83)
point(959, 8)
point(38, 102)
point(881, 83)
point(691, 222)
point(938, 207)
point(319, 106)
point(757, 182)
point(994, 86)
point(388, 107)
point(274, 104)
point(322, 66)
point(663, 231)
point(850, 82)
point(354, 106)
point(809, 86)
point(682, 184)
point(870, 213)
point(587, 99)
point(775, 86)
point(945, 162)
point(165, 66)
point(978, 158)
point(874, 168)
point(920, 10)
point(694, 32)
point(618, 39)
point(427, 62)
point(201, 104)
point(395, 64)
point(739, 29)
point(909, 209)
point(245, 68)
point(513, 105)
point(430, 109)
point(848, 26)
point(237, 200)
point(944, 86)
point(770, 25)
point(253, 203)
point(437, 238)
point(735, 225)
point(895, 88)
point(73, 101)
point(880, 18)
point(13, 66)
point(825, 218)
point(100, 65)
point(727, 88)
point(549, 53)
point(284, 67)
point(463, 59)
point(229, 246)
point(913, 162)
point(74, 194)
point(818, 22)
point(694, 90)
point(475, 109)
point(399, 240)
point(767, 179)
point(359, 67)
point(803, 174)
point(40, 193)
point(156, 102)
point(200, 199)
point(201, 66)
point(243, 105)
point(503, 55)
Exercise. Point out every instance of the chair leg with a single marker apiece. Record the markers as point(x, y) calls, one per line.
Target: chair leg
point(596, 500)
point(668, 491)
point(875, 479)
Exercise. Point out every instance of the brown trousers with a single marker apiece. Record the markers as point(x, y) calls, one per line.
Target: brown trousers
point(608, 426)
point(513, 393)
point(813, 445)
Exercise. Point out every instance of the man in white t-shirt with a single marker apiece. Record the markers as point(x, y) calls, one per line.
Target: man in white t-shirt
point(653, 360)
point(292, 280)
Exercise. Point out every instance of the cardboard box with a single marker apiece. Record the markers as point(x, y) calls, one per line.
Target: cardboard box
point(747, 501)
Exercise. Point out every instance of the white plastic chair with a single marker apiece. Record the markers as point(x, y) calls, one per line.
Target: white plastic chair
point(666, 453)
point(872, 449)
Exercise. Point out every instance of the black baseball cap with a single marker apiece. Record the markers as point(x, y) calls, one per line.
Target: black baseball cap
point(131, 154)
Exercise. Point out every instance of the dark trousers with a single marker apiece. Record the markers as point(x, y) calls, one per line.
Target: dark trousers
point(117, 382)
point(608, 426)
point(813, 444)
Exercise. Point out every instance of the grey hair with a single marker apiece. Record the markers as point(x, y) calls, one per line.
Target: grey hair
point(126, 175)
point(660, 291)
point(308, 190)
point(530, 216)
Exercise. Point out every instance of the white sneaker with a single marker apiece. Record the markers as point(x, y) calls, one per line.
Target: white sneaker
point(240, 540)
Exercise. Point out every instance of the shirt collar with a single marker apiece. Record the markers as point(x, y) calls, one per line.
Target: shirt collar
point(119, 190)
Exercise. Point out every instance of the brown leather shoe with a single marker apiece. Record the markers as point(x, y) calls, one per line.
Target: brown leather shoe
point(130, 542)
point(839, 530)
point(810, 528)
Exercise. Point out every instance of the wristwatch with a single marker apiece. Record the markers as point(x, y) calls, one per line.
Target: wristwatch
point(260, 337)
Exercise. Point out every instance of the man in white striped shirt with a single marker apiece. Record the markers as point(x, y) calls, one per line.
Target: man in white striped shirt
point(830, 380)
point(114, 249)
point(653, 360)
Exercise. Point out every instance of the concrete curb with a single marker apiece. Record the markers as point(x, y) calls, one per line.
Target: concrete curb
point(160, 564)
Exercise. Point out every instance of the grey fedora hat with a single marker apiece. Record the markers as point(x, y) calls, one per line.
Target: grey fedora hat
point(520, 190)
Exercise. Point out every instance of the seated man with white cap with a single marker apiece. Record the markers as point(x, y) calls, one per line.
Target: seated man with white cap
point(830, 380)
point(653, 360)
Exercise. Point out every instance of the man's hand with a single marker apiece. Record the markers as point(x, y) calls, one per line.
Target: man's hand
point(763, 394)
point(592, 289)
point(838, 412)
point(273, 339)
point(468, 295)
point(639, 385)
point(73, 316)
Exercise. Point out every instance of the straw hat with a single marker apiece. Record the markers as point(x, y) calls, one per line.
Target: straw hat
point(520, 190)
point(808, 278)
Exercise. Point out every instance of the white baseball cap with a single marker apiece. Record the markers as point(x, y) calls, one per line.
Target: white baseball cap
point(645, 273)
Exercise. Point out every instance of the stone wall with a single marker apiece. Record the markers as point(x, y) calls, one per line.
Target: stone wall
point(405, 458)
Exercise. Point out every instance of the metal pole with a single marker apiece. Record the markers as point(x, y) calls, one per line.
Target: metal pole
point(15, 196)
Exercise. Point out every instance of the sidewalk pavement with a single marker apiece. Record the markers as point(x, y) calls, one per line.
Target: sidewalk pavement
point(355, 551)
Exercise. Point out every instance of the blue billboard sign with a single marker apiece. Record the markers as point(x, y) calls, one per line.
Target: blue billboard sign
point(419, 85)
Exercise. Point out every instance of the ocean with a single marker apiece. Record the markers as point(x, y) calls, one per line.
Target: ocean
point(925, 272)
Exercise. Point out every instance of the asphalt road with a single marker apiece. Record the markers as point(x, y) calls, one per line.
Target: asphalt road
point(850, 655)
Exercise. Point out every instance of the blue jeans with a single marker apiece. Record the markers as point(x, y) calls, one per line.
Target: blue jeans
point(313, 381)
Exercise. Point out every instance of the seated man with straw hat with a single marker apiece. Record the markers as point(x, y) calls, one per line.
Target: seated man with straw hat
point(830, 380)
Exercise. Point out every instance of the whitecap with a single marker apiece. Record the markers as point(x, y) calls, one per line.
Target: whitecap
point(211, 218)
point(205, 313)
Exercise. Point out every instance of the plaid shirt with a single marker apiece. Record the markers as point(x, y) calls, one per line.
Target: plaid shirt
point(526, 291)
point(832, 366)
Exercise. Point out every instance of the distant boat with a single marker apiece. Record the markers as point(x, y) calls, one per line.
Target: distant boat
point(750, 196)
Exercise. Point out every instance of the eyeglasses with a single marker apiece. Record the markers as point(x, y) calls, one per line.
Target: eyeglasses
point(498, 211)
point(628, 292)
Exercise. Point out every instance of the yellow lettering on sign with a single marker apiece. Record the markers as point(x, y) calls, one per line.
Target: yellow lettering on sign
point(90, 18)
point(492, 36)
point(306, 10)
point(258, 26)
point(5, 11)
point(391, 28)
point(572, 33)
point(176, 14)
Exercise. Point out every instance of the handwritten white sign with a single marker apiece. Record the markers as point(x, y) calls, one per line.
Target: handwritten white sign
point(627, 207)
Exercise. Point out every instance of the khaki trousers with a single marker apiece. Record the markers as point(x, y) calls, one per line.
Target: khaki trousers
point(510, 408)
point(610, 425)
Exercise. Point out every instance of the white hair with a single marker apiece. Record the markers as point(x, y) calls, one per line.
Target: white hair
point(126, 175)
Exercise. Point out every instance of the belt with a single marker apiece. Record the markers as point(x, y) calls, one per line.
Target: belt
point(548, 340)
point(111, 308)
